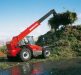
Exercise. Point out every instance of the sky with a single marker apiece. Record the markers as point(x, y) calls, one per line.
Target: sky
point(17, 15)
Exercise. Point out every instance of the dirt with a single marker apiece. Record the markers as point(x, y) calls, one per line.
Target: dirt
point(2, 54)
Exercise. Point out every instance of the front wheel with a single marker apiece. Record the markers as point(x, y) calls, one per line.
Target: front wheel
point(46, 52)
point(25, 54)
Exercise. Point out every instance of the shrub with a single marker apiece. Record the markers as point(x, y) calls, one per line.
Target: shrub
point(4, 49)
point(71, 39)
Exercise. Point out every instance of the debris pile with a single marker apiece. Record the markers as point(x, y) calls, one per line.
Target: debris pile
point(2, 54)
point(64, 18)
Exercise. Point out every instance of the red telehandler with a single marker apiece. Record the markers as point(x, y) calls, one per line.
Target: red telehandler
point(17, 49)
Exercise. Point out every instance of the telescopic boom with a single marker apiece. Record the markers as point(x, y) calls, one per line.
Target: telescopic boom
point(35, 25)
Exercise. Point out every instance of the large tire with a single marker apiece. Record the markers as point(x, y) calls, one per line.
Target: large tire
point(25, 54)
point(46, 52)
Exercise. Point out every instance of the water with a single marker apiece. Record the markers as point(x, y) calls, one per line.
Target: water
point(56, 67)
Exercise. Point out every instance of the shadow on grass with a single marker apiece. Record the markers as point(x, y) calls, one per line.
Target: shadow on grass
point(5, 59)
point(38, 57)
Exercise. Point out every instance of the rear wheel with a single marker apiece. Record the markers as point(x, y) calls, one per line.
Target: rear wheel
point(46, 52)
point(25, 54)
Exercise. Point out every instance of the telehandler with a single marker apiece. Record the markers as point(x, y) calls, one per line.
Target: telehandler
point(17, 49)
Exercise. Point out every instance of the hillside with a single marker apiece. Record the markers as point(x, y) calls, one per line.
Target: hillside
point(65, 42)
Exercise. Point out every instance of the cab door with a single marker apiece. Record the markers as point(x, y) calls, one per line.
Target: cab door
point(37, 50)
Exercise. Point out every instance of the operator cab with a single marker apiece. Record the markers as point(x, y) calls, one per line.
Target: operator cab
point(28, 40)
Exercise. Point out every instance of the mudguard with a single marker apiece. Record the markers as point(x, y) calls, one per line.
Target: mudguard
point(45, 46)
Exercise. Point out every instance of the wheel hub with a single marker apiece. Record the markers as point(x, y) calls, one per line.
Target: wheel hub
point(25, 55)
point(47, 52)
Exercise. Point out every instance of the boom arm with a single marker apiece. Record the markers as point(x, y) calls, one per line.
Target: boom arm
point(48, 14)
point(35, 25)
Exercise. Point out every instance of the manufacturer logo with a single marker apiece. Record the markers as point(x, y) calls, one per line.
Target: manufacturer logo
point(33, 26)
point(39, 48)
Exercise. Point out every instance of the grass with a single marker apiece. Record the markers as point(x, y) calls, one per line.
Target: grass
point(6, 66)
